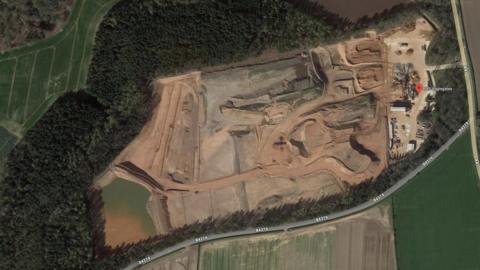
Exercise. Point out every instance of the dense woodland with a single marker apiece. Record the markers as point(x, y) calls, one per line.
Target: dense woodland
point(43, 214)
point(444, 47)
point(45, 221)
point(28, 20)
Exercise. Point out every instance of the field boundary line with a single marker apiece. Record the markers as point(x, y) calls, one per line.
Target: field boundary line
point(30, 52)
point(26, 116)
point(32, 71)
point(10, 81)
point(72, 51)
point(92, 26)
point(80, 15)
point(39, 107)
point(4, 144)
point(84, 46)
point(198, 256)
point(50, 72)
point(55, 45)
point(11, 88)
point(8, 58)
point(81, 61)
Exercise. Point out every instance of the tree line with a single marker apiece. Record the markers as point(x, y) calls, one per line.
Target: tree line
point(444, 46)
point(47, 210)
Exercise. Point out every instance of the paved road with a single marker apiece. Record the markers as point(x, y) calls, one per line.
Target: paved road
point(433, 68)
point(299, 224)
point(470, 59)
point(467, 22)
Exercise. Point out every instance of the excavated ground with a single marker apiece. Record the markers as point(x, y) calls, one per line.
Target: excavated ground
point(261, 136)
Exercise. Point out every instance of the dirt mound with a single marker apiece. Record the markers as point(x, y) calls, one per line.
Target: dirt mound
point(371, 77)
point(365, 51)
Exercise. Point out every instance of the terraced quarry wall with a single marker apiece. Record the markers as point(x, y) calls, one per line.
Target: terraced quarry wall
point(259, 137)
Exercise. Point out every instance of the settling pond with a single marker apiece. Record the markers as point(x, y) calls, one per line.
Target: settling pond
point(126, 216)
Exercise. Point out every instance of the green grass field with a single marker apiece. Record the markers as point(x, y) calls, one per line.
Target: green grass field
point(33, 76)
point(437, 216)
point(302, 252)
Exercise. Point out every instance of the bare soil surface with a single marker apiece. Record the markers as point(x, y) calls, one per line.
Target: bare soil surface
point(260, 136)
point(115, 224)
point(264, 135)
point(168, 145)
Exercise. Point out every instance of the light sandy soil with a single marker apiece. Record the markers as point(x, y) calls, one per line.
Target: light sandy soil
point(409, 46)
point(168, 144)
point(266, 193)
point(265, 135)
point(210, 159)
point(115, 224)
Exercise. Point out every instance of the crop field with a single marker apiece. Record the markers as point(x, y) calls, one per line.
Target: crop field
point(436, 216)
point(300, 252)
point(33, 76)
point(363, 241)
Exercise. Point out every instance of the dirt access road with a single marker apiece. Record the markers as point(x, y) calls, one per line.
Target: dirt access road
point(258, 137)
